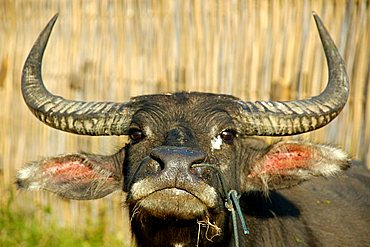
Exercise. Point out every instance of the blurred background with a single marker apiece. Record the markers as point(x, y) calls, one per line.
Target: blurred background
point(113, 50)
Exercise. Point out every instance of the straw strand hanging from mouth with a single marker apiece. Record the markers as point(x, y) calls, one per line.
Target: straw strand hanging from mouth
point(231, 203)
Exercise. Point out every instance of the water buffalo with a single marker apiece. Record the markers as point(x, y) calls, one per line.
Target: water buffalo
point(194, 160)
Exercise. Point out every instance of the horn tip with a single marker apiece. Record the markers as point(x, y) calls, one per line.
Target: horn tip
point(55, 17)
point(319, 24)
point(316, 17)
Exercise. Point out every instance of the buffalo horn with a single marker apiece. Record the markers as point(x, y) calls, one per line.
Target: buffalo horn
point(84, 118)
point(280, 118)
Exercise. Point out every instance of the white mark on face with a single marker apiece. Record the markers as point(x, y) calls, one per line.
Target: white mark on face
point(148, 131)
point(216, 142)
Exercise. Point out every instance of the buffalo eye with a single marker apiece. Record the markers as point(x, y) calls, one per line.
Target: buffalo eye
point(136, 135)
point(228, 136)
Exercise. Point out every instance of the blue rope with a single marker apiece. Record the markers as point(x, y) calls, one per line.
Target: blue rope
point(233, 196)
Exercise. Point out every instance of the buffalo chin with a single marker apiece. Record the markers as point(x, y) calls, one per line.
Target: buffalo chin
point(173, 203)
point(175, 217)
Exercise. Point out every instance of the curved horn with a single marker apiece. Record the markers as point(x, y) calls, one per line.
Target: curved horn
point(275, 118)
point(84, 118)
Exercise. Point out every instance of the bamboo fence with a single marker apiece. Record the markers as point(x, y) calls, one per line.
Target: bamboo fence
point(112, 50)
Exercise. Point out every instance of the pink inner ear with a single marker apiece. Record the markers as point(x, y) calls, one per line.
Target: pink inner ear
point(67, 170)
point(284, 158)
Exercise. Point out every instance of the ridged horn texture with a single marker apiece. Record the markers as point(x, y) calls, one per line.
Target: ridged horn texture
point(278, 118)
point(84, 118)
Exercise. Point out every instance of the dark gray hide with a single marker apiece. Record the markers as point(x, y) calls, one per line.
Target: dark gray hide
point(180, 146)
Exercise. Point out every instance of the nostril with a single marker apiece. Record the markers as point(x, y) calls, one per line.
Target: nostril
point(156, 158)
point(155, 166)
point(150, 167)
point(198, 159)
point(176, 157)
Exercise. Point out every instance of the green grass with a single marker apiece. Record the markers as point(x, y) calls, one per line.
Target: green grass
point(20, 228)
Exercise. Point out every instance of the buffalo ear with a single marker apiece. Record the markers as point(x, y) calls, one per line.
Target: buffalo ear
point(73, 176)
point(287, 164)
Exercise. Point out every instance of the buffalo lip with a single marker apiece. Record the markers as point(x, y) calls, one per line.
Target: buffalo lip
point(173, 203)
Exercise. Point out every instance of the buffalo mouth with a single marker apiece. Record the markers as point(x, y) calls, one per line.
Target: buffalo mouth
point(172, 203)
